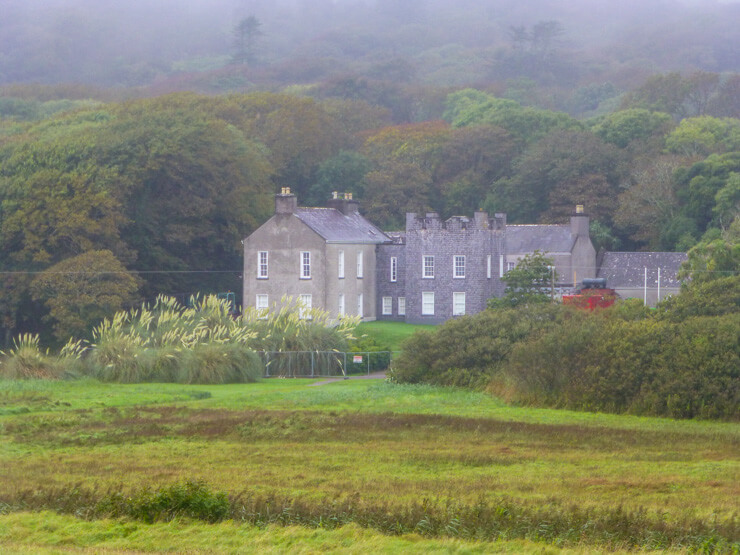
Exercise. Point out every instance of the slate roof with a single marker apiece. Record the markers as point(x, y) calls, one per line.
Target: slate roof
point(336, 227)
point(545, 238)
point(627, 269)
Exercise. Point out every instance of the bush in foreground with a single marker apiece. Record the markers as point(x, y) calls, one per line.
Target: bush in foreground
point(469, 351)
point(682, 361)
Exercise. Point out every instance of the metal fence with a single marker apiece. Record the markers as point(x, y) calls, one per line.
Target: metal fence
point(330, 364)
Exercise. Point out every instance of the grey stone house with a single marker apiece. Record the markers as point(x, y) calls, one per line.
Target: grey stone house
point(568, 245)
point(437, 269)
point(334, 259)
point(324, 257)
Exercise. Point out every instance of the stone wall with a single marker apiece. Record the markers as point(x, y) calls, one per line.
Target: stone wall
point(476, 239)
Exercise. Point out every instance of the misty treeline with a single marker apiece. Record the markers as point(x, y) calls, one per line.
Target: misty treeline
point(219, 45)
point(527, 108)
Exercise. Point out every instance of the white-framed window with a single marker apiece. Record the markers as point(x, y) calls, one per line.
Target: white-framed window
point(305, 307)
point(262, 303)
point(427, 270)
point(340, 262)
point(402, 306)
point(262, 267)
point(394, 268)
point(488, 267)
point(360, 268)
point(341, 304)
point(458, 304)
point(305, 265)
point(458, 263)
point(387, 306)
point(501, 266)
point(360, 306)
point(510, 266)
point(427, 303)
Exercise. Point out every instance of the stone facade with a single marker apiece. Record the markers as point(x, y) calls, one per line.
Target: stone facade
point(297, 254)
point(431, 272)
point(449, 268)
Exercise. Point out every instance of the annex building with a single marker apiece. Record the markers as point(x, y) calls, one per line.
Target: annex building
point(333, 258)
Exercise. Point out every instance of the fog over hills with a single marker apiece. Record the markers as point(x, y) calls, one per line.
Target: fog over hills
point(136, 43)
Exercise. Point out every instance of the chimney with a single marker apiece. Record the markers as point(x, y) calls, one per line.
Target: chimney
point(579, 222)
point(344, 203)
point(480, 217)
point(285, 202)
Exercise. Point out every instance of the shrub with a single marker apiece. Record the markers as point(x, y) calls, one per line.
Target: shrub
point(479, 344)
point(711, 298)
point(650, 366)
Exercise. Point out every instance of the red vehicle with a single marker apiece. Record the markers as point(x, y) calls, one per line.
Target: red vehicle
point(592, 294)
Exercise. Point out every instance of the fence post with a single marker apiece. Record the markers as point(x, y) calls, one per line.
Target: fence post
point(312, 364)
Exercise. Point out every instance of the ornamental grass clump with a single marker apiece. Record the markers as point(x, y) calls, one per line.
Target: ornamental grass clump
point(168, 342)
point(295, 327)
point(205, 342)
point(26, 361)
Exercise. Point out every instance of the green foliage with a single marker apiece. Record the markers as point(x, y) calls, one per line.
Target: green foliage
point(82, 290)
point(471, 107)
point(529, 282)
point(704, 135)
point(682, 361)
point(698, 187)
point(603, 237)
point(684, 370)
point(714, 257)
point(552, 175)
point(623, 127)
point(469, 351)
point(345, 172)
point(183, 500)
point(166, 184)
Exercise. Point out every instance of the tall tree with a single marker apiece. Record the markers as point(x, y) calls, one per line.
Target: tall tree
point(82, 290)
point(246, 33)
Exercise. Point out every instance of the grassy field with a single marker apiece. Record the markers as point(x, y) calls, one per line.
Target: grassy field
point(390, 334)
point(360, 465)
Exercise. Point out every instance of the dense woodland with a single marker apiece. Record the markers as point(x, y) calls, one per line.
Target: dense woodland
point(141, 145)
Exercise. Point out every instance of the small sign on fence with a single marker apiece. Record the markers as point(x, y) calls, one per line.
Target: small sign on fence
point(357, 359)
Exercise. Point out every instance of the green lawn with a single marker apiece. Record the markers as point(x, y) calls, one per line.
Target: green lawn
point(361, 453)
point(391, 334)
